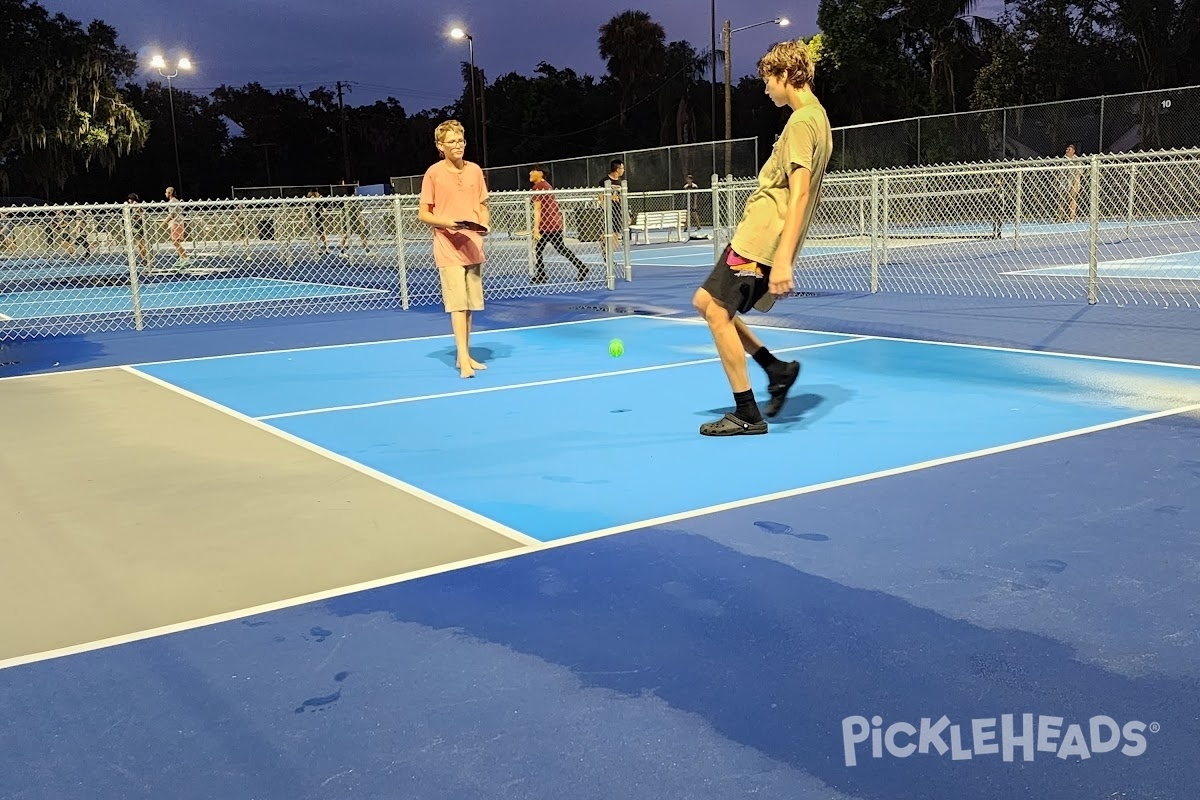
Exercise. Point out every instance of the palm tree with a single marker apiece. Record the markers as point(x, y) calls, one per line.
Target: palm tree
point(633, 46)
point(682, 69)
point(948, 35)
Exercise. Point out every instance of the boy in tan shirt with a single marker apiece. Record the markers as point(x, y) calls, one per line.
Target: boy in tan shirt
point(756, 268)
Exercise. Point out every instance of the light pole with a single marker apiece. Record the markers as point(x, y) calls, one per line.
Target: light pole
point(712, 87)
point(727, 35)
point(160, 64)
point(480, 122)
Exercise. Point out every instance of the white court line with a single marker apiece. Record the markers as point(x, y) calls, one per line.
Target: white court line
point(474, 332)
point(539, 546)
point(421, 494)
point(232, 616)
point(998, 348)
point(126, 311)
point(198, 294)
point(1103, 276)
point(546, 382)
point(317, 283)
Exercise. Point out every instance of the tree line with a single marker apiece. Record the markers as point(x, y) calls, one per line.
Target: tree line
point(75, 126)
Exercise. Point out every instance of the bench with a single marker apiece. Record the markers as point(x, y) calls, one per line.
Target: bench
point(660, 220)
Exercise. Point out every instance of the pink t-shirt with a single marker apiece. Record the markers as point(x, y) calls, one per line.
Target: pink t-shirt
point(457, 196)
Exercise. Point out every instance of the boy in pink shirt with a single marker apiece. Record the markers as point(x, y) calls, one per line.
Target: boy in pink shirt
point(454, 191)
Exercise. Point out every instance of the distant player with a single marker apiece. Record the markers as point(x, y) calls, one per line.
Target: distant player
point(454, 191)
point(175, 225)
point(548, 226)
point(756, 267)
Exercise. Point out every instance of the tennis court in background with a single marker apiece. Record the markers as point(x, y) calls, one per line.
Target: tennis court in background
point(342, 571)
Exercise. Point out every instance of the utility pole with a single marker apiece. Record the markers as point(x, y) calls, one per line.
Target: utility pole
point(266, 148)
point(345, 145)
point(713, 84)
point(728, 102)
point(483, 115)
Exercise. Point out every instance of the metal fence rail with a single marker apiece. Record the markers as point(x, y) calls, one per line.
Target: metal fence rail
point(649, 170)
point(80, 269)
point(1160, 119)
point(1122, 228)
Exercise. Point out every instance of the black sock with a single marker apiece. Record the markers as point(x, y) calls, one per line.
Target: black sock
point(747, 409)
point(764, 359)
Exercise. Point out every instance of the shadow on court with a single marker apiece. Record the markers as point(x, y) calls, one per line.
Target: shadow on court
point(486, 355)
point(775, 659)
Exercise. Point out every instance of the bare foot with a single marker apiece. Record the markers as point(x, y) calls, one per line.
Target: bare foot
point(466, 373)
point(474, 365)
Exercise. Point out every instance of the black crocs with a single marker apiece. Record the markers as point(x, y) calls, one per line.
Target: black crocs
point(729, 425)
point(781, 382)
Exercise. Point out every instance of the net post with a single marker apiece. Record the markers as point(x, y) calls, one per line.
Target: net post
point(883, 233)
point(284, 234)
point(1132, 195)
point(1094, 231)
point(1018, 211)
point(530, 254)
point(608, 233)
point(401, 264)
point(874, 232)
point(625, 230)
point(134, 288)
point(730, 206)
point(716, 216)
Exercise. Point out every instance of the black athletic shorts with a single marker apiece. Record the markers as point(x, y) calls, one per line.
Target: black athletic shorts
point(737, 288)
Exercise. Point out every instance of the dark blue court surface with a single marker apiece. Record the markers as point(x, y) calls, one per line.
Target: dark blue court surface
point(947, 573)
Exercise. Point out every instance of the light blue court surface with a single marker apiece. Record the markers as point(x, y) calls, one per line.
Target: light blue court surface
point(160, 296)
point(558, 439)
point(1175, 266)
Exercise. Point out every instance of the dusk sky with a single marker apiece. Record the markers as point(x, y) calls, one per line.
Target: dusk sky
point(400, 47)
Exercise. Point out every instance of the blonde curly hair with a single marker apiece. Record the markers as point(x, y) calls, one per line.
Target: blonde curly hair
point(792, 58)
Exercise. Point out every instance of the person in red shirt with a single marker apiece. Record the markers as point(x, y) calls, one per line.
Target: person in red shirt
point(548, 225)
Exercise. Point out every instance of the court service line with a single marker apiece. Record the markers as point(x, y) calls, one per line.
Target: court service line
point(530, 384)
point(998, 348)
point(539, 546)
point(477, 332)
point(474, 332)
point(421, 494)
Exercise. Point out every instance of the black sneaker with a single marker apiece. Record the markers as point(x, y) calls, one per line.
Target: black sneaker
point(781, 381)
point(729, 425)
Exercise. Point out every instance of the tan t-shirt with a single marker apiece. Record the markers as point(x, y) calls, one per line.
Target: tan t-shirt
point(806, 141)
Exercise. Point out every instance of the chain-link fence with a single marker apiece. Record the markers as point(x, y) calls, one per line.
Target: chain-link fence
point(650, 170)
point(1162, 119)
point(298, 190)
point(1120, 228)
point(80, 269)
